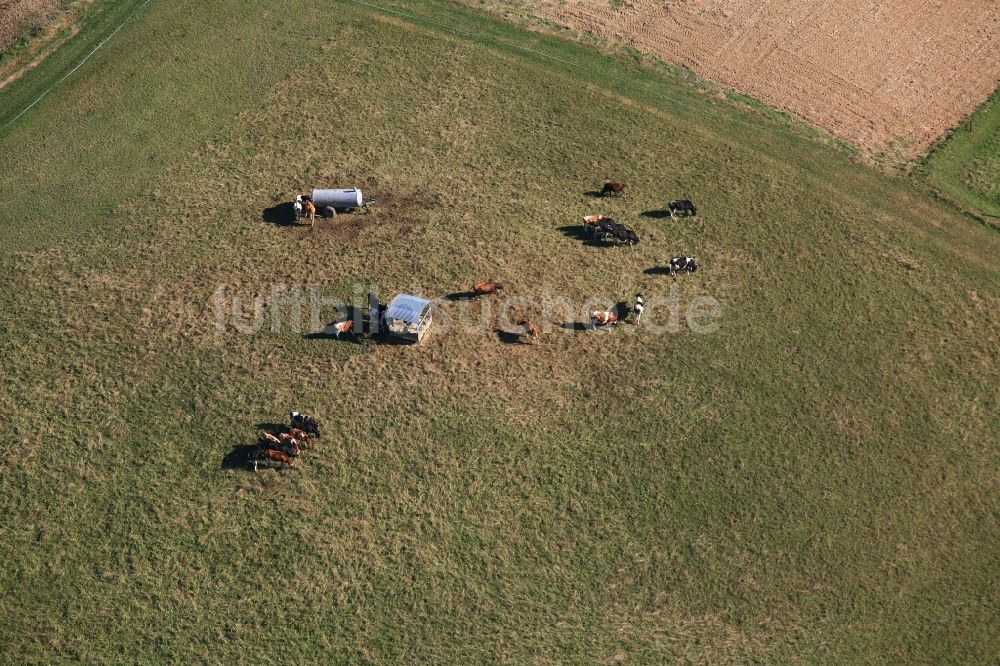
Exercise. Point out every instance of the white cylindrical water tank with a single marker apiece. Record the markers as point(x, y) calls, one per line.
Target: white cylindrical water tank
point(348, 198)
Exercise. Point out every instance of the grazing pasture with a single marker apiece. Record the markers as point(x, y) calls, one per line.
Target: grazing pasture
point(815, 480)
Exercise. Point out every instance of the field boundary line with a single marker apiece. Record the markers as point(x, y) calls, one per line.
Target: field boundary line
point(77, 66)
point(451, 28)
point(619, 77)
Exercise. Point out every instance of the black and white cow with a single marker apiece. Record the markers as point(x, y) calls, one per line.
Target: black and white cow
point(682, 206)
point(638, 308)
point(682, 264)
point(305, 423)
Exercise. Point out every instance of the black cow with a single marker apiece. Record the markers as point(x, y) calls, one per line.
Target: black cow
point(682, 206)
point(626, 236)
point(606, 228)
point(682, 264)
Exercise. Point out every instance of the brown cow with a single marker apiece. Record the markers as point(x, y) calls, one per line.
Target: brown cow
point(603, 318)
point(280, 457)
point(303, 437)
point(346, 326)
point(291, 442)
point(613, 188)
point(529, 329)
point(486, 288)
point(311, 212)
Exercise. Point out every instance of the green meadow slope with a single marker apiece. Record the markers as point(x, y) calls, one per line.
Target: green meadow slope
point(815, 481)
point(965, 167)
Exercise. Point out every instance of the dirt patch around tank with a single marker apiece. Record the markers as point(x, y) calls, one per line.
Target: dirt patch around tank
point(400, 210)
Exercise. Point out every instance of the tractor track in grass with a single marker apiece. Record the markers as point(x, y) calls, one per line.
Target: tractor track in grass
point(40, 58)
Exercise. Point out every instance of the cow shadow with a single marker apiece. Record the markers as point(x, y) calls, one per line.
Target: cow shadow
point(348, 313)
point(657, 214)
point(282, 215)
point(657, 270)
point(382, 338)
point(241, 457)
point(509, 337)
point(594, 194)
point(577, 232)
point(588, 327)
point(329, 333)
point(271, 426)
point(461, 296)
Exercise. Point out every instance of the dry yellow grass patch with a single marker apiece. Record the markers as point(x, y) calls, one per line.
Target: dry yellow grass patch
point(39, 22)
point(19, 18)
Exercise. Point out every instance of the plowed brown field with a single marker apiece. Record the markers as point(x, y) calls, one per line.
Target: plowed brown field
point(887, 75)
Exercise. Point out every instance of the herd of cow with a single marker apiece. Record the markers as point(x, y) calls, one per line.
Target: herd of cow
point(282, 447)
point(604, 228)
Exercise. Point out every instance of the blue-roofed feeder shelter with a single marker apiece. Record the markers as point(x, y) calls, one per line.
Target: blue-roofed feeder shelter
point(408, 317)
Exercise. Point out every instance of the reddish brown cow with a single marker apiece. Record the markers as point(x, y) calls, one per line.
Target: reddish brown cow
point(344, 327)
point(486, 288)
point(277, 456)
point(311, 212)
point(529, 329)
point(613, 188)
point(291, 442)
point(303, 437)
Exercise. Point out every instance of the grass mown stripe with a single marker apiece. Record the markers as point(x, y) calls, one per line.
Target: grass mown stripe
point(97, 25)
point(74, 68)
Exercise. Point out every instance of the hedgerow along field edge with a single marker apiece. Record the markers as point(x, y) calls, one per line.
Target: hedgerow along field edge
point(813, 481)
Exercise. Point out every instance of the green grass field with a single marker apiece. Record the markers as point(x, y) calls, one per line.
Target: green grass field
point(816, 481)
point(965, 167)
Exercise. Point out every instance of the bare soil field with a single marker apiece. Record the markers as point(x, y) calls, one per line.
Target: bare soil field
point(887, 75)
